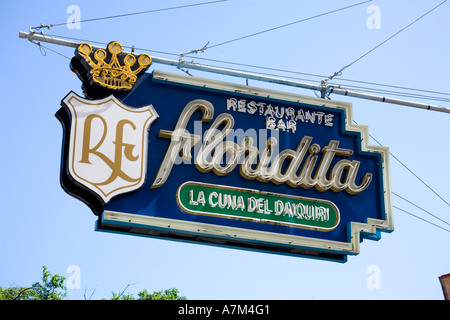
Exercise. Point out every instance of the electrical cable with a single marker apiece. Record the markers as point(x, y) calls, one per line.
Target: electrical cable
point(43, 49)
point(406, 167)
point(383, 42)
point(390, 92)
point(286, 25)
point(367, 89)
point(313, 75)
point(410, 202)
point(309, 74)
point(278, 27)
point(415, 175)
point(422, 219)
point(130, 14)
point(417, 206)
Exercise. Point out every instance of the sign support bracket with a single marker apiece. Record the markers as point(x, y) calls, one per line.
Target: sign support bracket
point(324, 88)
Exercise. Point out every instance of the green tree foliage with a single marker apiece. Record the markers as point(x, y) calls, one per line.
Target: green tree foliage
point(52, 288)
point(169, 294)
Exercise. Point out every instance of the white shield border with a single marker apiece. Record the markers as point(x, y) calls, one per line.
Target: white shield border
point(73, 126)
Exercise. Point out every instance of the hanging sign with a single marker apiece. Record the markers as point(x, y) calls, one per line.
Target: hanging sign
point(190, 159)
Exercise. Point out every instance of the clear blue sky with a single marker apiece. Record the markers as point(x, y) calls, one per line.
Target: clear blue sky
point(42, 225)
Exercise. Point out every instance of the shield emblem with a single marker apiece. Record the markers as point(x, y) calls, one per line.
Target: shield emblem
point(107, 150)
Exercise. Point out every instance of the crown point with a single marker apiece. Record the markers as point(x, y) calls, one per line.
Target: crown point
point(144, 59)
point(100, 54)
point(85, 48)
point(129, 59)
point(115, 48)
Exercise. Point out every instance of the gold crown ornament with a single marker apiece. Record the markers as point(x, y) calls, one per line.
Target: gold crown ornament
point(105, 70)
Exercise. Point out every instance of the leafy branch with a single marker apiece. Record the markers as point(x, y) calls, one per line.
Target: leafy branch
point(52, 287)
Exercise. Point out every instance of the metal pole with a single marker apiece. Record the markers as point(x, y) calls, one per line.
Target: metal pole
point(195, 66)
point(367, 96)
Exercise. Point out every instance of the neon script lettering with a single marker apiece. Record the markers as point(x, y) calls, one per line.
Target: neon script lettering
point(294, 167)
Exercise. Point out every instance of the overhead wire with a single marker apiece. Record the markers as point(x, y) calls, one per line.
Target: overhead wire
point(412, 172)
point(422, 219)
point(321, 77)
point(415, 95)
point(130, 14)
point(304, 73)
point(362, 88)
point(338, 73)
point(419, 207)
point(410, 202)
point(285, 25)
point(391, 92)
point(43, 49)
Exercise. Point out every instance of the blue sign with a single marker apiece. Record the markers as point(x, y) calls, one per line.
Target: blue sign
point(197, 160)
